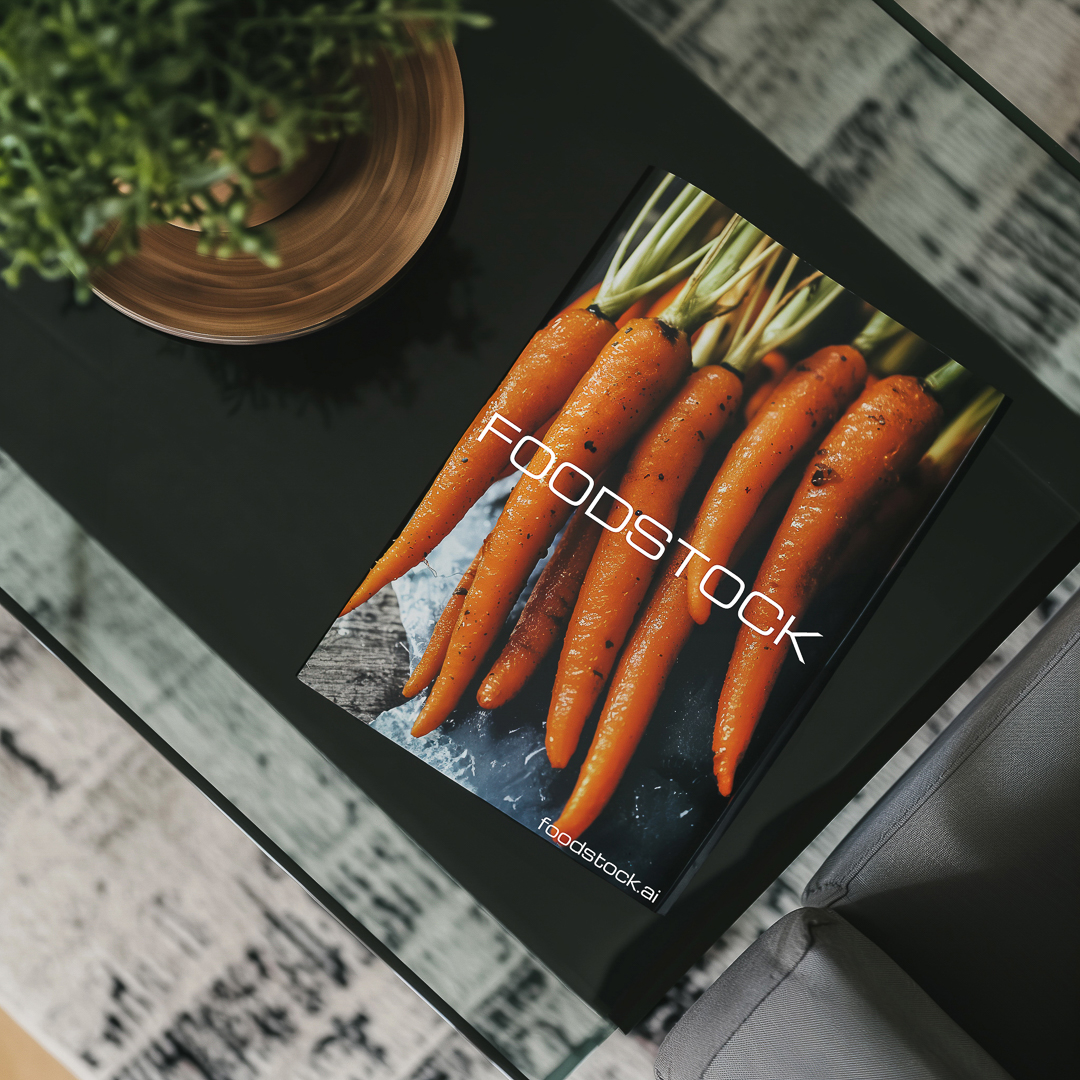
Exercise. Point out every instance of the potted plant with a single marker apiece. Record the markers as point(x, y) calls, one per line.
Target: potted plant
point(119, 114)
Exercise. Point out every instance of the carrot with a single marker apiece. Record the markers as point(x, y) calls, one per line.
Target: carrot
point(539, 382)
point(542, 378)
point(639, 680)
point(771, 511)
point(545, 615)
point(435, 652)
point(881, 537)
point(635, 311)
point(763, 379)
point(539, 435)
point(804, 405)
point(622, 569)
point(873, 445)
point(633, 374)
point(664, 625)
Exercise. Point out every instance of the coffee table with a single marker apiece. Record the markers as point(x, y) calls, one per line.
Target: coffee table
point(180, 522)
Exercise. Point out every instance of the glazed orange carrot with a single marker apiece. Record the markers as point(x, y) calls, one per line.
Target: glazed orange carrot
point(538, 434)
point(771, 510)
point(541, 379)
point(882, 536)
point(433, 656)
point(545, 615)
point(658, 638)
point(865, 455)
point(802, 407)
point(763, 379)
point(633, 375)
point(665, 461)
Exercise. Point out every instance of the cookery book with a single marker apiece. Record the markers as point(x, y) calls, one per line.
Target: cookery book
point(652, 546)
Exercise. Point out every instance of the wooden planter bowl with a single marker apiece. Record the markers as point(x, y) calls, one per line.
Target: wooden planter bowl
point(361, 222)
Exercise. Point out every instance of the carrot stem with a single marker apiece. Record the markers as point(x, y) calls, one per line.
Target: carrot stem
point(949, 374)
point(646, 268)
point(729, 260)
point(743, 352)
point(899, 355)
point(819, 294)
point(880, 330)
point(961, 431)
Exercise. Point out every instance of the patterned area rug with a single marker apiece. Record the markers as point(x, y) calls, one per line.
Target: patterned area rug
point(143, 937)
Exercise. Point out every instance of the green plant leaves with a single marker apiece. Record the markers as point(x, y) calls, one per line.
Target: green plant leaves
point(125, 113)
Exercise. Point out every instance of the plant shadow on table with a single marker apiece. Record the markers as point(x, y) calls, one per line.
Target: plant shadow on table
point(431, 303)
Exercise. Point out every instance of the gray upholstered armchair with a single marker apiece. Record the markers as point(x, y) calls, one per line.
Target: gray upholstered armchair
point(939, 940)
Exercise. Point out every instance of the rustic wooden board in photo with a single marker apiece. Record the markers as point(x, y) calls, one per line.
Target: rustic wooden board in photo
point(357, 228)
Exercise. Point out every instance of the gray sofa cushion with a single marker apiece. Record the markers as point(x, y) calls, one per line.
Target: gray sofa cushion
point(966, 872)
point(812, 997)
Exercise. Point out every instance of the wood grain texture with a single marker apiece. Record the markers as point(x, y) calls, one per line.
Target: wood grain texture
point(363, 661)
point(358, 227)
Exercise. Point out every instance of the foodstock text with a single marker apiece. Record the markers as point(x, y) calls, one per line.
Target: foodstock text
point(644, 533)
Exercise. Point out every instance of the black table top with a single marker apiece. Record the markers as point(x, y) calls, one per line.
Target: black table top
point(250, 487)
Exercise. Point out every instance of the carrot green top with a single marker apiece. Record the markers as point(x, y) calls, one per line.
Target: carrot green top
point(653, 261)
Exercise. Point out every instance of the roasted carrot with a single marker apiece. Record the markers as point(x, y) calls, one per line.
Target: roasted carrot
point(545, 615)
point(865, 455)
point(803, 406)
point(542, 378)
point(622, 569)
point(633, 374)
point(435, 652)
point(642, 672)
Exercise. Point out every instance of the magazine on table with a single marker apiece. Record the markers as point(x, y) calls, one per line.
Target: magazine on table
point(652, 546)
